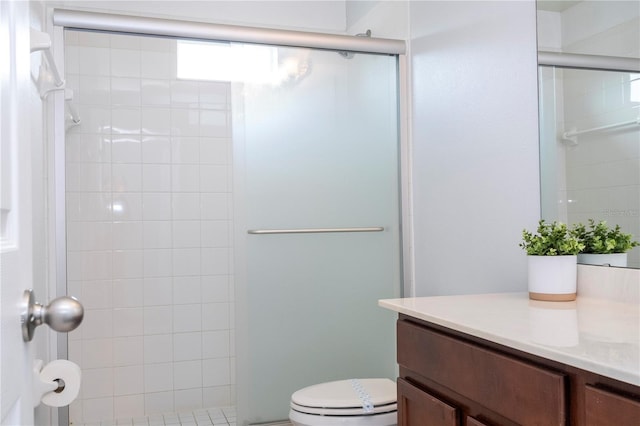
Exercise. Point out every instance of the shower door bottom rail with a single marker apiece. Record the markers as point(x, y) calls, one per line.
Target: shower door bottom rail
point(313, 230)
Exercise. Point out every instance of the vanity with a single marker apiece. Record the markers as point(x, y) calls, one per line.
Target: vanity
point(502, 359)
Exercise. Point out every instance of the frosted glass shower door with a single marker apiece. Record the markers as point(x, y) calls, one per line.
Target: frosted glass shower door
point(316, 147)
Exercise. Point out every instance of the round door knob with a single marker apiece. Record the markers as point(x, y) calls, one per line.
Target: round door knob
point(63, 314)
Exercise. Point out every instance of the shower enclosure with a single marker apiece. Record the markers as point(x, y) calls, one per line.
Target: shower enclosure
point(232, 218)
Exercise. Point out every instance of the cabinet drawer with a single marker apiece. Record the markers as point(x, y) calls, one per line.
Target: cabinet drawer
point(605, 408)
point(522, 392)
point(417, 407)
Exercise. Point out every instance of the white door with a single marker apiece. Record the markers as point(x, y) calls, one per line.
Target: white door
point(16, 402)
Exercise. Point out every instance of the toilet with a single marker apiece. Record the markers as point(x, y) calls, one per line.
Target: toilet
point(354, 402)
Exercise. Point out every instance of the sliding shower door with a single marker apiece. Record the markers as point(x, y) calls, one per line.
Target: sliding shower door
point(317, 199)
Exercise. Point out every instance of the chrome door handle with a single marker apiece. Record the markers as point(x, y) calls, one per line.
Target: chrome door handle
point(63, 314)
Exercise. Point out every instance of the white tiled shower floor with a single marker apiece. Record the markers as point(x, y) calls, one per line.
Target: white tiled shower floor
point(225, 416)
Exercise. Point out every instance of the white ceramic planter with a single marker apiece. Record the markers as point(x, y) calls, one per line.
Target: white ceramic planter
point(611, 259)
point(552, 278)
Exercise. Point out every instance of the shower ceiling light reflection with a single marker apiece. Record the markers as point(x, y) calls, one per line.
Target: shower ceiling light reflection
point(255, 64)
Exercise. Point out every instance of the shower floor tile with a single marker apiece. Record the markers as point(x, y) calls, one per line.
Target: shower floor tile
point(225, 416)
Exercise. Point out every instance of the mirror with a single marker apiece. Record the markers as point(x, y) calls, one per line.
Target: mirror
point(590, 119)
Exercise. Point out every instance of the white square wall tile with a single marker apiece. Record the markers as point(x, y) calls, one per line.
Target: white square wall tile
point(97, 294)
point(94, 90)
point(185, 178)
point(185, 206)
point(97, 409)
point(156, 121)
point(156, 149)
point(158, 291)
point(185, 122)
point(88, 148)
point(217, 396)
point(158, 403)
point(215, 288)
point(185, 94)
point(125, 91)
point(125, 120)
point(97, 265)
point(215, 151)
point(128, 406)
point(127, 350)
point(215, 316)
point(158, 263)
point(155, 92)
point(214, 178)
point(188, 399)
point(216, 233)
point(214, 206)
point(128, 293)
point(158, 65)
point(125, 63)
point(158, 234)
point(128, 380)
point(127, 322)
point(126, 149)
point(214, 124)
point(187, 346)
point(127, 206)
point(156, 177)
point(186, 233)
point(185, 150)
point(186, 290)
point(187, 374)
point(215, 372)
point(127, 235)
point(97, 382)
point(127, 264)
point(216, 344)
point(97, 323)
point(215, 261)
point(214, 95)
point(126, 177)
point(158, 377)
point(156, 206)
point(97, 353)
point(158, 349)
point(186, 262)
point(158, 320)
point(187, 318)
point(94, 60)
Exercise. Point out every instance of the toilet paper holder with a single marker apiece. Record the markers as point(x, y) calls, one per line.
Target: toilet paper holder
point(63, 314)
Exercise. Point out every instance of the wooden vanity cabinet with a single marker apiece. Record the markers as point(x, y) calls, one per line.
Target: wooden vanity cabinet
point(448, 378)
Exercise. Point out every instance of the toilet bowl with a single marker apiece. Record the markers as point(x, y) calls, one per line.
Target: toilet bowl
point(355, 402)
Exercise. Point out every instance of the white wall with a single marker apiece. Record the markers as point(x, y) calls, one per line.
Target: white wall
point(475, 146)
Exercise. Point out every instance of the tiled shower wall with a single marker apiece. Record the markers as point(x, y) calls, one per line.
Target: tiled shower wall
point(149, 230)
point(603, 173)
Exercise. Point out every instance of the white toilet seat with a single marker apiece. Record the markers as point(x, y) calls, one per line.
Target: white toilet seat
point(352, 402)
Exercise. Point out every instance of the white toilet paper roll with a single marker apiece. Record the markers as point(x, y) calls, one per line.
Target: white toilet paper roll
point(67, 372)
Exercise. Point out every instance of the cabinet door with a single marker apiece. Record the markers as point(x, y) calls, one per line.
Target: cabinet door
point(605, 408)
point(475, 422)
point(417, 408)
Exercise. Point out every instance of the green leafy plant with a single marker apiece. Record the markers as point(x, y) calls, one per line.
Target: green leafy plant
point(598, 238)
point(551, 239)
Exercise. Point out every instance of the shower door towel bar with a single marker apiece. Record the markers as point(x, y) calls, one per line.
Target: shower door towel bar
point(312, 230)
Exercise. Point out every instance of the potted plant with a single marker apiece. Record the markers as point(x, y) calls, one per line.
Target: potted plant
point(552, 258)
point(603, 245)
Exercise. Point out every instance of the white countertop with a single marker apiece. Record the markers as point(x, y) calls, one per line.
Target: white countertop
point(592, 334)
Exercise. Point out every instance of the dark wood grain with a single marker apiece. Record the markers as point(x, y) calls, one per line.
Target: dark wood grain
point(420, 408)
point(605, 408)
point(522, 392)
